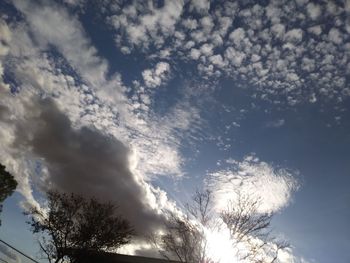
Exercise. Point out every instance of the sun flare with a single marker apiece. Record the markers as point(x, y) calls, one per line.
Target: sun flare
point(220, 246)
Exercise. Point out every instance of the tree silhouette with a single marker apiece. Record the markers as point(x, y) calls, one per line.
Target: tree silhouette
point(73, 227)
point(251, 228)
point(7, 185)
point(184, 238)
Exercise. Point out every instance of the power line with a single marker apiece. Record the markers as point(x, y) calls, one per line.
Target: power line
point(3, 260)
point(15, 249)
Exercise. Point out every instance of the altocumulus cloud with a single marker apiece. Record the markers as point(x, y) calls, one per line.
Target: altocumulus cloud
point(275, 47)
point(71, 125)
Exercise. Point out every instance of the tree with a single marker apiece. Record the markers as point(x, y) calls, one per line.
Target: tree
point(249, 228)
point(72, 226)
point(201, 207)
point(7, 185)
point(184, 238)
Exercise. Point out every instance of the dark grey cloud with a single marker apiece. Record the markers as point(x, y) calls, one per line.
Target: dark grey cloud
point(86, 162)
point(3, 112)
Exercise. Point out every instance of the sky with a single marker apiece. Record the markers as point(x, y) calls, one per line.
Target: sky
point(142, 102)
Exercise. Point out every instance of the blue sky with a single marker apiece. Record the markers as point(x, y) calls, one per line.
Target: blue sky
point(177, 95)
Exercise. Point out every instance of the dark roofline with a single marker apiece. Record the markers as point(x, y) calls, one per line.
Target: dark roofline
point(107, 257)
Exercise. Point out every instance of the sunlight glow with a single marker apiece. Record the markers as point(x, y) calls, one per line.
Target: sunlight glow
point(220, 246)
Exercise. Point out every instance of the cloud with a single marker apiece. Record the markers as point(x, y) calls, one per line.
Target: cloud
point(154, 77)
point(237, 36)
point(87, 162)
point(234, 56)
point(335, 36)
point(151, 23)
point(272, 187)
point(280, 33)
point(200, 6)
point(81, 101)
point(61, 91)
point(5, 38)
point(276, 123)
point(259, 180)
point(87, 94)
point(70, 31)
point(282, 51)
point(313, 10)
point(294, 35)
point(207, 49)
point(72, 42)
point(195, 53)
point(317, 30)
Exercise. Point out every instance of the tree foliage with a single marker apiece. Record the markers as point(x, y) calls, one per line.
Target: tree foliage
point(7, 185)
point(72, 226)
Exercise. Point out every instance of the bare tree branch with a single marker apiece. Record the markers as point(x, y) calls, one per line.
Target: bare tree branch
point(248, 226)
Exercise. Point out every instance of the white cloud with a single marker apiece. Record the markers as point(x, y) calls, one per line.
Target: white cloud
point(82, 55)
point(195, 53)
point(291, 76)
point(314, 10)
point(278, 30)
point(294, 35)
point(267, 32)
point(255, 58)
point(87, 95)
point(217, 60)
point(335, 36)
point(308, 64)
point(154, 78)
point(259, 180)
point(152, 23)
point(207, 49)
point(5, 38)
point(237, 36)
point(225, 23)
point(200, 6)
point(190, 24)
point(276, 123)
point(253, 53)
point(236, 57)
point(207, 24)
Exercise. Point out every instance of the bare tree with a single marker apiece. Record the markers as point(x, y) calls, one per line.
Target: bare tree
point(251, 228)
point(201, 207)
point(7, 185)
point(73, 226)
point(243, 219)
point(185, 238)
